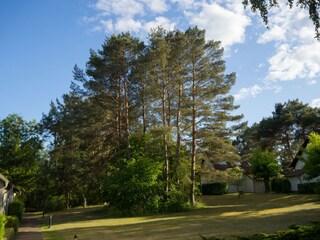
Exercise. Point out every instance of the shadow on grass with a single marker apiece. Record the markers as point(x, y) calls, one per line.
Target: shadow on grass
point(225, 216)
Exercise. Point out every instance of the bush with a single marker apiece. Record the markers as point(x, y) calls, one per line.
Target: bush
point(2, 225)
point(218, 188)
point(12, 222)
point(307, 188)
point(56, 203)
point(16, 208)
point(293, 233)
point(281, 185)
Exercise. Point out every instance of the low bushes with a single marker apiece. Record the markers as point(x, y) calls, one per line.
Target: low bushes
point(295, 232)
point(12, 222)
point(2, 225)
point(218, 188)
point(55, 203)
point(16, 208)
point(309, 188)
point(281, 185)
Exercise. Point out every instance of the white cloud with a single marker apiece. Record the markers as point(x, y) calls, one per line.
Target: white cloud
point(291, 62)
point(246, 92)
point(161, 21)
point(128, 24)
point(107, 25)
point(223, 23)
point(157, 6)
point(315, 103)
point(187, 4)
point(120, 7)
point(297, 52)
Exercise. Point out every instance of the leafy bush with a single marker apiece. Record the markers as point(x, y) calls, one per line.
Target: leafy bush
point(177, 201)
point(134, 187)
point(307, 188)
point(3, 220)
point(317, 188)
point(56, 203)
point(281, 185)
point(16, 208)
point(12, 222)
point(218, 188)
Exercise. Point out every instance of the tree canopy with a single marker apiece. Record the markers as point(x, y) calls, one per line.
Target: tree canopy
point(264, 165)
point(20, 152)
point(283, 132)
point(263, 6)
point(311, 156)
point(138, 107)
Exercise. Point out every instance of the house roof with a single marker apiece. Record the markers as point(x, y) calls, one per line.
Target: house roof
point(293, 173)
point(245, 165)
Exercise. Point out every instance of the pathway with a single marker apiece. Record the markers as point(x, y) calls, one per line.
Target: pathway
point(29, 228)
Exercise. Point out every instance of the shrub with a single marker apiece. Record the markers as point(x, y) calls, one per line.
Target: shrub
point(317, 188)
point(56, 203)
point(12, 222)
point(218, 188)
point(293, 233)
point(16, 208)
point(281, 185)
point(307, 188)
point(2, 225)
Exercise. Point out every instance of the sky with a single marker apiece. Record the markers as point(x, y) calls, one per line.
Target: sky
point(41, 41)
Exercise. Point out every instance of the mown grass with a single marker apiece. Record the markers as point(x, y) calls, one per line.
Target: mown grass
point(223, 216)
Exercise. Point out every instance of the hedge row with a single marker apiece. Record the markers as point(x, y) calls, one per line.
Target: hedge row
point(218, 188)
point(309, 188)
point(281, 185)
point(295, 232)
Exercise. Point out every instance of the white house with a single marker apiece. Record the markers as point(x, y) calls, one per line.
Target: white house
point(249, 184)
point(6, 194)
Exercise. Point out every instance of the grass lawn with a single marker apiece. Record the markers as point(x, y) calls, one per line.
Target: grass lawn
point(224, 216)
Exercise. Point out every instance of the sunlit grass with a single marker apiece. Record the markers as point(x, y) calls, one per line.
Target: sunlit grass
point(224, 216)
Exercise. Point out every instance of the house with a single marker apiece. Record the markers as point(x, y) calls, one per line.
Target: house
point(249, 183)
point(295, 173)
point(6, 194)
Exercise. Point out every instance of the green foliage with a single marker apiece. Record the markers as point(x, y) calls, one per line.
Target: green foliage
point(178, 201)
point(218, 188)
point(12, 222)
point(308, 188)
point(311, 156)
point(16, 208)
point(55, 203)
point(133, 184)
point(283, 132)
point(263, 6)
point(20, 152)
point(3, 220)
point(264, 165)
point(280, 185)
point(295, 232)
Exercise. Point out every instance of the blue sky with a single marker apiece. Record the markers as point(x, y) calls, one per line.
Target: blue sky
point(41, 41)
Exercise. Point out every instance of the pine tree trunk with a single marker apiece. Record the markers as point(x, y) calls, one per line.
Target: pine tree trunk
point(194, 143)
point(165, 147)
point(126, 110)
point(178, 122)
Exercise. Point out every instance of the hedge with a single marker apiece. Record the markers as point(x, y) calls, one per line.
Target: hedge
point(295, 232)
point(3, 220)
point(308, 188)
point(12, 222)
point(16, 208)
point(218, 188)
point(281, 185)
